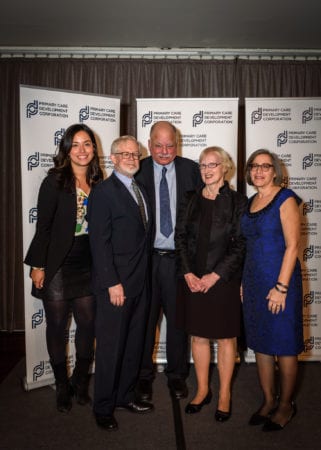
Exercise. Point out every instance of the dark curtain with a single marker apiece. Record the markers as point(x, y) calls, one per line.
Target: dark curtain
point(129, 79)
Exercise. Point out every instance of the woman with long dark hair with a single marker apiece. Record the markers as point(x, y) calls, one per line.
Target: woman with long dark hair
point(60, 260)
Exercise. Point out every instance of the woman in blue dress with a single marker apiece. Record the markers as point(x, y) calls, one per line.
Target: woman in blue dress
point(272, 287)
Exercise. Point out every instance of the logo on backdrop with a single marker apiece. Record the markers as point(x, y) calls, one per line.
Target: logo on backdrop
point(312, 113)
point(256, 116)
point(308, 253)
point(97, 113)
point(198, 118)
point(282, 138)
point(307, 115)
point(33, 161)
point(39, 160)
point(307, 161)
point(84, 114)
point(33, 215)
point(32, 109)
point(49, 109)
point(37, 319)
point(38, 370)
point(308, 298)
point(58, 136)
point(312, 297)
point(297, 137)
point(270, 115)
point(147, 118)
point(307, 207)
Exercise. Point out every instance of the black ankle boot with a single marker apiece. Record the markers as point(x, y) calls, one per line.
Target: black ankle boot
point(63, 396)
point(63, 388)
point(80, 380)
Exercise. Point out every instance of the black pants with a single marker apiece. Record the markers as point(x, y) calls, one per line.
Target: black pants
point(119, 344)
point(163, 295)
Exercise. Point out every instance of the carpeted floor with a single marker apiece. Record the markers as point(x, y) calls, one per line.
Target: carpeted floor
point(29, 420)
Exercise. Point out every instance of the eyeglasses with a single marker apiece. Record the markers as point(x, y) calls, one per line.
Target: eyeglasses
point(265, 167)
point(128, 155)
point(208, 166)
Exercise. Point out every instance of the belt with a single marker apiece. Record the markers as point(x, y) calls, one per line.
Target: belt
point(164, 252)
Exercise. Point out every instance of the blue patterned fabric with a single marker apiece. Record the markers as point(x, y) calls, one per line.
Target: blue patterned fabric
point(272, 334)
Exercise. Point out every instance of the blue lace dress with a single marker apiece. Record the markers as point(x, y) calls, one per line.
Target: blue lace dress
point(271, 334)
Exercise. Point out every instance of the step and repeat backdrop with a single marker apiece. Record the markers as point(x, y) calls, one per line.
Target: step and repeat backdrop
point(290, 127)
point(44, 116)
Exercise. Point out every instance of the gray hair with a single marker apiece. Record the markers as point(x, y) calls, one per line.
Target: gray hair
point(120, 140)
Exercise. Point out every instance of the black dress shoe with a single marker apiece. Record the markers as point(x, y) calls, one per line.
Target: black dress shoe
point(222, 416)
point(193, 408)
point(138, 407)
point(178, 388)
point(109, 423)
point(144, 390)
point(269, 425)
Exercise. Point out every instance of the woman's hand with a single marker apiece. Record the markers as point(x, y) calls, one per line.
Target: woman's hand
point(193, 282)
point(38, 277)
point(276, 301)
point(208, 280)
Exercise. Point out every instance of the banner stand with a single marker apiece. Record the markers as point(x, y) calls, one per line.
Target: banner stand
point(44, 116)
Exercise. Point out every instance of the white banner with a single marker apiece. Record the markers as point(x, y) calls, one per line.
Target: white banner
point(291, 128)
point(45, 114)
point(201, 123)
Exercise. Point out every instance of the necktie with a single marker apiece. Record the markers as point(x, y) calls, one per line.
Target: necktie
point(166, 226)
point(140, 203)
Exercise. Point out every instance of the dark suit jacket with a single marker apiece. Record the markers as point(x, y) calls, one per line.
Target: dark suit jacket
point(55, 230)
point(120, 245)
point(187, 178)
point(226, 247)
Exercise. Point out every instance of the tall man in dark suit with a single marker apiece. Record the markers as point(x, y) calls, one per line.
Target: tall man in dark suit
point(119, 231)
point(179, 175)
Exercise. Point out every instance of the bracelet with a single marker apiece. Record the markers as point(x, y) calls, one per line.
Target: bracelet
point(280, 290)
point(37, 268)
point(283, 285)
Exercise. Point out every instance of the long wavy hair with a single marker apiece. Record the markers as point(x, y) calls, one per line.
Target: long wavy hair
point(62, 164)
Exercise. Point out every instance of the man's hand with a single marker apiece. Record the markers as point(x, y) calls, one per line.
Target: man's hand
point(117, 295)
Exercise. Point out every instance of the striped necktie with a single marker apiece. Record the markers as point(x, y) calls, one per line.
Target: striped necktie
point(140, 202)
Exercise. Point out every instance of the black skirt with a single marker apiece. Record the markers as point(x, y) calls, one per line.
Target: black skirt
point(73, 279)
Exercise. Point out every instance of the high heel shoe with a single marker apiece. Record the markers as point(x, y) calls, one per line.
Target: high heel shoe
point(269, 425)
point(193, 408)
point(223, 416)
point(259, 419)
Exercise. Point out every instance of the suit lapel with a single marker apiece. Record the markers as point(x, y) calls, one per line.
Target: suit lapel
point(130, 201)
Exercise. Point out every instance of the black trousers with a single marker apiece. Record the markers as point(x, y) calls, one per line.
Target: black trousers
point(163, 296)
point(119, 345)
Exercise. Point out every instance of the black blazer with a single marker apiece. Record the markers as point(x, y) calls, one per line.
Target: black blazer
point(120, 246)
point(226, 247)
point(187, 178)
point(55, 229)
